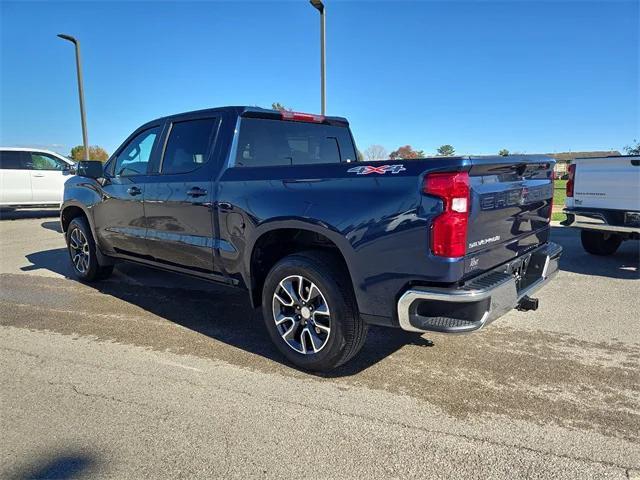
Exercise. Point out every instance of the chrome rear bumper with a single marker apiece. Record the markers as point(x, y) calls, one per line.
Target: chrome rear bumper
point(595, 221)
point(480, 301)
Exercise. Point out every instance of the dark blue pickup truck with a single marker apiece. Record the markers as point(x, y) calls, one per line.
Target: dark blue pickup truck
point(277, 203)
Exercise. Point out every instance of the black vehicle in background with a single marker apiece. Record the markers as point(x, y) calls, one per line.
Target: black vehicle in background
point(277, 203)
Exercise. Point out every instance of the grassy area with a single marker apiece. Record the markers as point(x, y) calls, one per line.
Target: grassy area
point(559, 193)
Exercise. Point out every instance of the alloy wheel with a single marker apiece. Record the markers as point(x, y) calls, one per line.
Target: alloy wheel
point(301, 314)
point(79, 249)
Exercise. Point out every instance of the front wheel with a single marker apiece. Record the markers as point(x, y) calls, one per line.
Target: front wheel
point(600, 243)
point(82, 251)
point(310, 312)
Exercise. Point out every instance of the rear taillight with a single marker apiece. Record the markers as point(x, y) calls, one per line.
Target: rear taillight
point(571, 180)
point(301, 117)
point(449, 229)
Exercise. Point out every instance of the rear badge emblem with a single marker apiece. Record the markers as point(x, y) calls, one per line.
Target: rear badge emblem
point(484, 241)
point(382, 169)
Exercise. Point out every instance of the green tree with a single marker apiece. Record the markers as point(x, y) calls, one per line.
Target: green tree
point(633, 149)
point(406, 152)
point(281, 108)
point(504, 152)
point(446, 150)
point(95, 153)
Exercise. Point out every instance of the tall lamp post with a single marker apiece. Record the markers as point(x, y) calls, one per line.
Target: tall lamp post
point(318, 5)
point(83, 115)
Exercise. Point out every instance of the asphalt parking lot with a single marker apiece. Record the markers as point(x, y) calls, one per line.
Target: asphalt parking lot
point(153, 374)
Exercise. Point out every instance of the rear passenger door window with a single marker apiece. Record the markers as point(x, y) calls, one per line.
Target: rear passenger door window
point(15, 177)
point(12, 160)
point(264, 142)
point(187, 146)
point(134, 158)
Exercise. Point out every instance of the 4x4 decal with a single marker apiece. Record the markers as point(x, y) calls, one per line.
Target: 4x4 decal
point(382, 169)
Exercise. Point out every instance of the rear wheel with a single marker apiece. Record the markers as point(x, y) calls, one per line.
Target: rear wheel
point(82, 251)
point(310, 312)
point(600, 243)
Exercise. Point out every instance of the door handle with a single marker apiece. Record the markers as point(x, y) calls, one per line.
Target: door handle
point(197, 192)
point(133, 191)
point(225, 206)
point(38, 175)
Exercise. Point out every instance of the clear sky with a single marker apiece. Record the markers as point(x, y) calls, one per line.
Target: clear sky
point(529, 76)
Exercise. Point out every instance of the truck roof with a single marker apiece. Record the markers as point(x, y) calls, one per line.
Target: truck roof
point(249, 111)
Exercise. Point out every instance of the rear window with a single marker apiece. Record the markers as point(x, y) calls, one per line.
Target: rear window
point(12, 160)
point(187, 146)
point(264, 142)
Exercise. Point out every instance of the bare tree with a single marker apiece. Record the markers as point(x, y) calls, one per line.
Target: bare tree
point(633, 149)
point(376, 152)
point(280, 107)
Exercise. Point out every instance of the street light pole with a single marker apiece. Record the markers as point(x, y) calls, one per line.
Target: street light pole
point(83, 115)
point(318, 5)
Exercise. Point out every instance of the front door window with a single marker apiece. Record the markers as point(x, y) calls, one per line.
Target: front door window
point(134, 158)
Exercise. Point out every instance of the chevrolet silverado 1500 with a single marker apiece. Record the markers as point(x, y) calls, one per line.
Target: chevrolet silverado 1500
point(277, 203)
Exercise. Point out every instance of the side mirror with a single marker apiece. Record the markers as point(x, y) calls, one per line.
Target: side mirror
point(90, 169)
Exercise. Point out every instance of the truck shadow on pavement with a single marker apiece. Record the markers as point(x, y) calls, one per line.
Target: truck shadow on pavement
point(224, 314)
point(52, 225)
point(62, 466)
point(624, 264)
point(28, 213)
point(216, 311)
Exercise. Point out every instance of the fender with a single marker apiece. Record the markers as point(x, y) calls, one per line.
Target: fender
point(84, 195)
point(307, 224)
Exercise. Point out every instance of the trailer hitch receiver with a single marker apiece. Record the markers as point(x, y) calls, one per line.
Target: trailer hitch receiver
point(527, 303)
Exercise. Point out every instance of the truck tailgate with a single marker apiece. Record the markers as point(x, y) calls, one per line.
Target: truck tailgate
point(607, 183)
point(511, 202)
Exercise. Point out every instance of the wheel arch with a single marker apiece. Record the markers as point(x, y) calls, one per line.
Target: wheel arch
point(73, 209)
point(276, 240)
point(70, 211)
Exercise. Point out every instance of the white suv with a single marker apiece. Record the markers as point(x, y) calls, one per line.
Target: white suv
point(30, 177)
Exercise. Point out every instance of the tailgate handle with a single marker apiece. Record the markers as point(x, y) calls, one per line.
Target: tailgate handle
point(635, 163)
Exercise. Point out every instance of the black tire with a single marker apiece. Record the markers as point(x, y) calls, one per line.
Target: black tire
point(347, 330)
point(600, 243)
point(86, 269)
